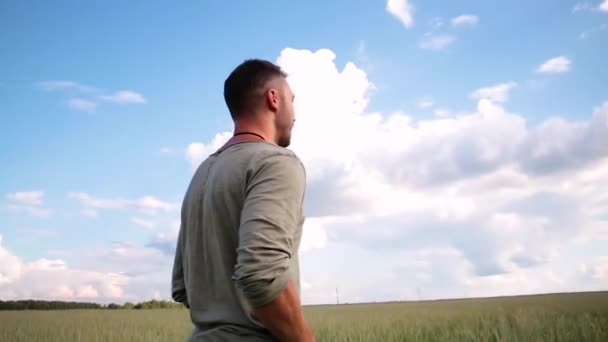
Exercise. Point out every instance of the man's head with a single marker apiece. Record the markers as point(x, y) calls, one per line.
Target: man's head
point(258, 89)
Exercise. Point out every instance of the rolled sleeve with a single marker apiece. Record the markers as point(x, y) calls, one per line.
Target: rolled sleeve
point(270, 218)
point(178, 286)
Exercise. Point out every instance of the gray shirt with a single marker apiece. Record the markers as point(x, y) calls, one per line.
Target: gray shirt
point(241, 225)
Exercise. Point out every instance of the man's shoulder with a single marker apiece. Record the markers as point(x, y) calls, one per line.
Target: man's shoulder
point(265, 152)
point(266, 155)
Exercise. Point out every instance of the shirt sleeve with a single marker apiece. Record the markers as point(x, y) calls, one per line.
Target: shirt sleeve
point(270, 218)
point(178, 286)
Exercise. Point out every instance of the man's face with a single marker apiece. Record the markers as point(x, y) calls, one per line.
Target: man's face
point(285, 116)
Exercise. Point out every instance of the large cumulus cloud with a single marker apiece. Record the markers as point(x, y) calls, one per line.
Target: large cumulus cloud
point(503, 196)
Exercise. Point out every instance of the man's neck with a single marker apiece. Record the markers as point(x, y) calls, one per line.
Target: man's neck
point(248, 128)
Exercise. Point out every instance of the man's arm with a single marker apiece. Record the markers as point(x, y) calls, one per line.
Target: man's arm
point(270, 217)
point(283, 316)
point(178, 286)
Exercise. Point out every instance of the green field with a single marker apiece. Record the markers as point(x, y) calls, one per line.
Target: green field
point(564, 317)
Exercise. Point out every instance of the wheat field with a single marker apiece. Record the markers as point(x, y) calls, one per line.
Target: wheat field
point(560, 317)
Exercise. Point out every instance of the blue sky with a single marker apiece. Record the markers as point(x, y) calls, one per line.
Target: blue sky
point(108, 105)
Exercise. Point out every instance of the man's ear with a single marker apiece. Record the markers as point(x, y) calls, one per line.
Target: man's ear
point(272, 99)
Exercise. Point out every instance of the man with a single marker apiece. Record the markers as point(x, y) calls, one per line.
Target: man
point(236, 263)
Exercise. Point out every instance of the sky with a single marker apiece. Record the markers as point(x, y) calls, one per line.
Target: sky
point(452, 149)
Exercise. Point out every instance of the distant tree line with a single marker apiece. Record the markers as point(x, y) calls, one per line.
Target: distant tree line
point(151, 304)
point(30, 304)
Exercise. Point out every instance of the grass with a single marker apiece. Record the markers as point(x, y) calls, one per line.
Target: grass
point(560, 317)
point(564, 317)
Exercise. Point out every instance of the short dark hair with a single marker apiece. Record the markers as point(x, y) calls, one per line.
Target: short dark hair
point(245, 83)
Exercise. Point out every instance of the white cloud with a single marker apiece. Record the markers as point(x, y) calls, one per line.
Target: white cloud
point(465, 20)
point(425, 103)
point(143, 222)
point(10, 266)
point(436, 42)
point(314, 235)
point(66, 85)
point(164, 242)
point(126, 250)
point(495, 198)
point(555, 65)
point(436, 23)
point(583, 7)
point(152, 204)
point(31, 210)
point(596, 269)
point(166, 150)
point(496, 93)
point(54, 280)
point(89, 212)
point(146, 204)
point(589, 7)
point(402, 10)
point(89, 97)
point(82, 104)
point(361, 52)
point(124, 96)
point(589, 33)
point(197, 152)
point(442, 112)
point(26, 197)
point(29, 202)
point(86, 291)
point(103, 203)
point(41, 232)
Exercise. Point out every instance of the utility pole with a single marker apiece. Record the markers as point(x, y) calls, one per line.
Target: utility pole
point(337, 297)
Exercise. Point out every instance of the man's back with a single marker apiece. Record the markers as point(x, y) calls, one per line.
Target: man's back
point(238, 243)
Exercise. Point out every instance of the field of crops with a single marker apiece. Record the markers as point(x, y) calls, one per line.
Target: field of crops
point(566, 317)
